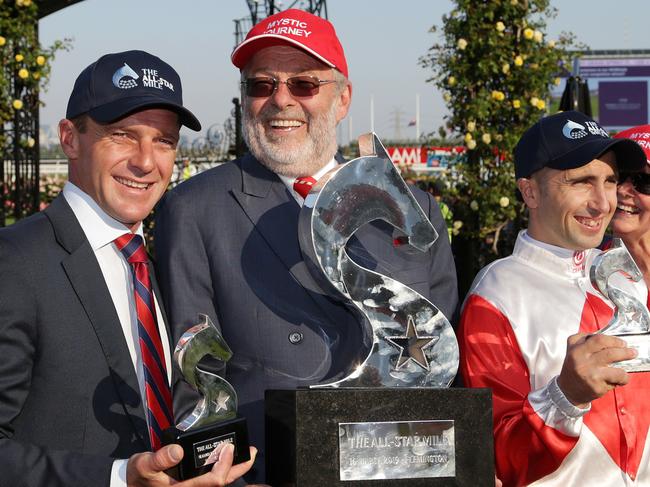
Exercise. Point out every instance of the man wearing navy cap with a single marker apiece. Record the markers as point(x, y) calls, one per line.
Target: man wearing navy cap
point(227, 239)
point(86, 366)
point(528, 325)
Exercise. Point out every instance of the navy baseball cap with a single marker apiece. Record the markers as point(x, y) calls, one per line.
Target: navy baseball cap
point(121, 83)
point(568, 140)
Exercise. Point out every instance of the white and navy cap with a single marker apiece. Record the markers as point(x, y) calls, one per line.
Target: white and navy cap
point(122, 83)
point(568, 140)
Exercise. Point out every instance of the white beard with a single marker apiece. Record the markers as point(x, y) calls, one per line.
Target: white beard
point(273, 151)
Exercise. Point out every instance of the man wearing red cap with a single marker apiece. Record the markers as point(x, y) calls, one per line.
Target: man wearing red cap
point(227, 240)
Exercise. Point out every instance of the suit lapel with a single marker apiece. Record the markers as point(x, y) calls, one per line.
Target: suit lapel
point(274, 212)
point(267, 203)
point(86, 278)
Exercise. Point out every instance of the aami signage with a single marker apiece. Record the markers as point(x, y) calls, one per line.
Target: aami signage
point(422, 158)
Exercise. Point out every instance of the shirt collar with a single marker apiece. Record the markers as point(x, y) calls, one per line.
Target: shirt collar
point(552, 259)
point(100, 228)
point(289, 180)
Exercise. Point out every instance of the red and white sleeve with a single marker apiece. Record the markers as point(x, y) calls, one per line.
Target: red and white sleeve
point(534, 430)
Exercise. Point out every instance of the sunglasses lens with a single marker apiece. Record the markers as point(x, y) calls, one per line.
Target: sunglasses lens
point(260, 87)
point(303, 85)
point(640, 181)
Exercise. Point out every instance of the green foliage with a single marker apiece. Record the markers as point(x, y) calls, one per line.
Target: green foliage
point(25, 64)
point(495, 67)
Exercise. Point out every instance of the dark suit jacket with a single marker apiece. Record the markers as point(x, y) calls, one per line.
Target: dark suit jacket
point(69, 396)
point(227, 245)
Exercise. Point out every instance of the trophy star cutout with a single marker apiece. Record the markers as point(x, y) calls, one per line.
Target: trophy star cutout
point(221, 401)
point(411, 346)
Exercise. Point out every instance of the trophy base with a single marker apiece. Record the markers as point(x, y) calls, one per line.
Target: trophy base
point(641, 343)
point(379, 437)
point(202, 445)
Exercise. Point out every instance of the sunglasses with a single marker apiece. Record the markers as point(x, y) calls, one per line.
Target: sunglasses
point(299, 86)
point(640, 181)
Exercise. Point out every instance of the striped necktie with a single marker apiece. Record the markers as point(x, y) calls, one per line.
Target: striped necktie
point(157, 390)
point(303, 185)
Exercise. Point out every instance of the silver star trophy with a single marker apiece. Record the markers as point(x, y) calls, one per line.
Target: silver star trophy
point(413, 343)
point(213, 422)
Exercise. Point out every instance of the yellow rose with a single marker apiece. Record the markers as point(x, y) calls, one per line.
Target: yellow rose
point(516, 103)
point(451, 81)
point(3, 41)
point(468, 137)
point(19, 57)
point(486, 138)
point(36, 75)
point(537, 35)
point(504, 201)
point(500, 26)
point(557, 81)
point(471, 126)
point(513, 2)
point(40, 60)
point(528, 33)
point(474, 205)
point(27, 3)
point(23, 73)
point(519, 61)
point(551, 44)
point(462, 44)
point(17, 104)
point(446, 97)
point(30, 142)
point(471, 144)
point(541, 104)
point(534, 100)
point(505, 68)
point(498, 95)
point(499, 137)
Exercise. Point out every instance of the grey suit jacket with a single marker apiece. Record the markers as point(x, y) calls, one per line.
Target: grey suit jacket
point(69, 396)
point(227, 245)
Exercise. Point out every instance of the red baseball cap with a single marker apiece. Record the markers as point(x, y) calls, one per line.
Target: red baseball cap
point(640, 135)
point(314, 35)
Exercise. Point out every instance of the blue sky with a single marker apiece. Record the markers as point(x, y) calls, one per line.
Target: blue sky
point(383, 40)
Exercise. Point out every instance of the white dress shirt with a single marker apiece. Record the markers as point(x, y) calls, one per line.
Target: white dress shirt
point(288, 180)
point(101, 230)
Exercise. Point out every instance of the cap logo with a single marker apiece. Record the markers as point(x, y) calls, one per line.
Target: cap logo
point(125, 78)
point(293, 27)
point(595, 129)
point(151, 79)
point(573, 130)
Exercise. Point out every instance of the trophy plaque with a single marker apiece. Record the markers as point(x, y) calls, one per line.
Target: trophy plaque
point(391, 419)
point(631, 320)
point(213, 423)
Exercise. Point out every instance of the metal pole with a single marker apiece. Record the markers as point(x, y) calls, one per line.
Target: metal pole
point(417, 117)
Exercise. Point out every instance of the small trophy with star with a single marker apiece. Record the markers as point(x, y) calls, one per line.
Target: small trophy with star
point(390, 415)
point(214, 422)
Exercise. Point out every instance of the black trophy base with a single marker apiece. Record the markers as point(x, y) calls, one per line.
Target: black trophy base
point(198, 445)
point(379, 437)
